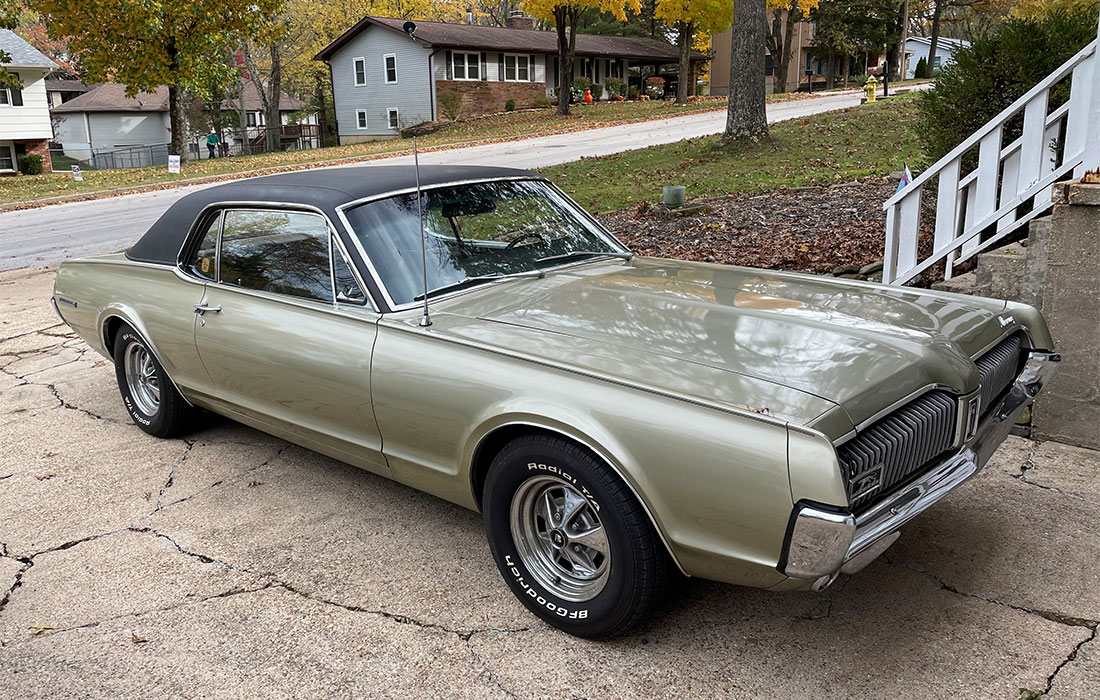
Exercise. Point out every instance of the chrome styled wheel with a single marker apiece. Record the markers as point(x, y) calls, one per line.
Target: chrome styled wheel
point(141, 379)
point(559, 537)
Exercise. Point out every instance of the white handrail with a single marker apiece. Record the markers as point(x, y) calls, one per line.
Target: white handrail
point(1011, 184)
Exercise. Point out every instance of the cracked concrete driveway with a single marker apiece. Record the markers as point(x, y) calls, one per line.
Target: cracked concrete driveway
point(232, 564)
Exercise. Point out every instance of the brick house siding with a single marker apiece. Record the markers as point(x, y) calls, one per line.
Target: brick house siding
point(488, 96)
point(40, 148)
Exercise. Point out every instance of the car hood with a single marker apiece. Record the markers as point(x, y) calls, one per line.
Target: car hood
point(857, 345)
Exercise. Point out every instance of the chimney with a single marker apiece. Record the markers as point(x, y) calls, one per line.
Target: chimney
point(469, 15)
point(518, 20)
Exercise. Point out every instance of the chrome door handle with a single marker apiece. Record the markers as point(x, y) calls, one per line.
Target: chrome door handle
point(203, 308)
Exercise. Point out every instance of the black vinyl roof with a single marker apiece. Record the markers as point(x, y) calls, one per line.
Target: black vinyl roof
point(324, 189)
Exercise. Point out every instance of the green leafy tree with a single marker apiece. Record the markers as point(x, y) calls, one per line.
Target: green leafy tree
point(148, 43)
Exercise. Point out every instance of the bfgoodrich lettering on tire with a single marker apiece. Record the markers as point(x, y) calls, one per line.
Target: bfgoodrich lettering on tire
point(570, 538)
point(148, 394)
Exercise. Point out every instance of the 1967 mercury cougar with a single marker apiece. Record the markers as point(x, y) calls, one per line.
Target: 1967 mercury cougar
point(616, 419)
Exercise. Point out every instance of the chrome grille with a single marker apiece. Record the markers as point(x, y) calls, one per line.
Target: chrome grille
point(898, 445)
point(998, 368)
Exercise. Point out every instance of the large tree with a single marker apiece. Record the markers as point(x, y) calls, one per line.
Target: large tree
point(157, 42)
point(746, 115)
point(9, 18)
point(688, 17)
point(565, 14)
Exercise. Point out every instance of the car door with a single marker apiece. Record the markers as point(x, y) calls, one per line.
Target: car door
point(285, 345)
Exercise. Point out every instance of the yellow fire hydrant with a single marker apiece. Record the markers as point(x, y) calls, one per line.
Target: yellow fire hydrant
point(870, 88)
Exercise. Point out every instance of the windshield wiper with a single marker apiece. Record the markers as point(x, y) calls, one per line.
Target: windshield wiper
point(476, 279)
point(586, 254)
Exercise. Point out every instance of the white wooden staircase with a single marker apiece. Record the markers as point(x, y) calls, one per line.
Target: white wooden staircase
point(1008, 185)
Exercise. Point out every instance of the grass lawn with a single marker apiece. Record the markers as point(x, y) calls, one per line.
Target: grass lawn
point(502, 126)
point(873, 139)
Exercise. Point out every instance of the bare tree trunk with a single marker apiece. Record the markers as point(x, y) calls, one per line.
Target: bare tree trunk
point(271, 106)
point(902, 38)
point(779, 44)
point(565, 17)
point(683, 41)
point(830, 69)
point(746, 116)
point(177, 123)
point(934, 42)
point(319, 96)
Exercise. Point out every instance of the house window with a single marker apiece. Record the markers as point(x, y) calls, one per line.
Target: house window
point(936, 61)
point(466, 66)
point(250, 119)
point(613, 68)
point(391, 68)
point(360, 71)
point(391, 117)
point(517, 68)
point(7, 157)
point(769, 64)
point(12, 97)
point(361, 118)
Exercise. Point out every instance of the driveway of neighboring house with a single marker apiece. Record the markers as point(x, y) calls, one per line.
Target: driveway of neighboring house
point(53, 233)
point(233, 565)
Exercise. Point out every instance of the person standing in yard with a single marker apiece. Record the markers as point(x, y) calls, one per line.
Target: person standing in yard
point(212, 142)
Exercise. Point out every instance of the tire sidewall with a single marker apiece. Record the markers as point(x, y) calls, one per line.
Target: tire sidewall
point(510, 470)
point(126, 337)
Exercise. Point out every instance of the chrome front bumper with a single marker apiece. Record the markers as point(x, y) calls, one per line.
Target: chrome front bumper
point(823, 542)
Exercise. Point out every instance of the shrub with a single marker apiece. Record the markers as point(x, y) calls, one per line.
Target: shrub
point(30, 164)
point(510, 106)
point(541, 102)
point(450, 104)
point(614, 86)
point(597, 91)
point(921, 71)
point(994, 71)
point(655, 87)
point(582, 83)
point(860, 79)
point(632, 93)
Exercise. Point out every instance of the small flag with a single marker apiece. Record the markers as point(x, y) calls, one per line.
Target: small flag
point(906, 178)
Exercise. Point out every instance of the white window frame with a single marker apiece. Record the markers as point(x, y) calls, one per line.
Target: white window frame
point(515, 67)
point(355, 71)
point(386, 68)
point(394, 123)
point(465, 65)
point(14, 160)
point(364, 123)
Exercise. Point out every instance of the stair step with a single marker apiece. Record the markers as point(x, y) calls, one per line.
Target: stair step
point(1000, 271)
point(962, 284)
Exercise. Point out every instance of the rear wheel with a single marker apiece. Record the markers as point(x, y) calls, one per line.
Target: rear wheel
point(148, 394)
point(570, 538)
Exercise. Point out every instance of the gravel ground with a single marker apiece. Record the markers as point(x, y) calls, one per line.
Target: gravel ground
point(233, 565)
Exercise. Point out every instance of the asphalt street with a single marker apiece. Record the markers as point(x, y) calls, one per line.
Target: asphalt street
point(54, 233)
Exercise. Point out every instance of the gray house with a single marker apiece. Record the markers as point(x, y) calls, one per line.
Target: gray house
point(918, 47)
point(384, 80)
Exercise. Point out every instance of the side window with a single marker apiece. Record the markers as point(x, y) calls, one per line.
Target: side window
point(347, 289)
point(275, 251)
point(204, 261)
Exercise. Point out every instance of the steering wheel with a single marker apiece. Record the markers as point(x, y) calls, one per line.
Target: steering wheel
point(524, 236)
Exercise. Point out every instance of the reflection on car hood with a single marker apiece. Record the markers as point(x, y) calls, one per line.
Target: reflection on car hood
point(861, 346)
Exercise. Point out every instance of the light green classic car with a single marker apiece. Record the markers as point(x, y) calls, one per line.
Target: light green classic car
point(618, 420)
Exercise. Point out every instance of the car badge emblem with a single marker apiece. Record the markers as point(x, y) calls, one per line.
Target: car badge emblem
point(1006, 321)
point(866, 483)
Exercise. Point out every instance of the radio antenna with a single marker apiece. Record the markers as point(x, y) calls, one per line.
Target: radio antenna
point(426, 319)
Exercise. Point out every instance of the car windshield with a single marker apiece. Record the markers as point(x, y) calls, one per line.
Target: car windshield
point(480, 230)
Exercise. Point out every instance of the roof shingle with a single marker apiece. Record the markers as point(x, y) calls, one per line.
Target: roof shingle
point(23, 55)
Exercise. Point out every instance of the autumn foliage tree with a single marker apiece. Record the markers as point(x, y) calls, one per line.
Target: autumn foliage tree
point(564, 14)
point(147, 44)
point(689, 17)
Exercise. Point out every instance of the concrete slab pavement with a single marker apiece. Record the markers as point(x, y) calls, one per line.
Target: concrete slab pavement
point(231, 564)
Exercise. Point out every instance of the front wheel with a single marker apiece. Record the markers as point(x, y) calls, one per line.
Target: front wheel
point(570, 538)
point(151, 399)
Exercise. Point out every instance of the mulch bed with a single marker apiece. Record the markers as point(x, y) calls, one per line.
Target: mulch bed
point(809, 229)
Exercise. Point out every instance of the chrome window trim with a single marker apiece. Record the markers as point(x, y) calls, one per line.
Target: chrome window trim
point(393, 307)
point(263, 205)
